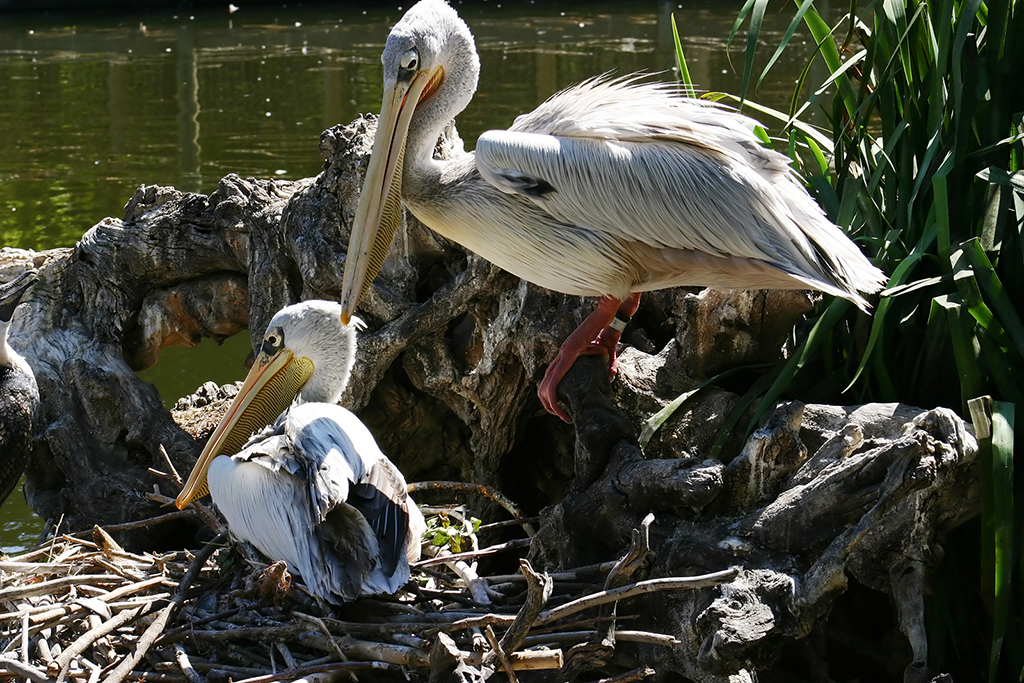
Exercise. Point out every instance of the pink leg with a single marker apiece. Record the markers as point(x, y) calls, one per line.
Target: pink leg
point(593, 336)
point(609, 336)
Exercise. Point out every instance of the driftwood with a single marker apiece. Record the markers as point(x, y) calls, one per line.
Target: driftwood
point(818, 495)
point(446, 378)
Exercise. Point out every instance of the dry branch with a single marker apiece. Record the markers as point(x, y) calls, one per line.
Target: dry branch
point(637, 589)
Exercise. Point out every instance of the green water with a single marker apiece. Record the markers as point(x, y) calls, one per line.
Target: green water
point(93, 106)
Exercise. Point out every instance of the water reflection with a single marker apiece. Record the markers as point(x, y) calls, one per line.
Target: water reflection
point(94, 107)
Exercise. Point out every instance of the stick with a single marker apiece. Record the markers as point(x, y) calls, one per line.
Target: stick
point(570, 575)
point(259, 633)
point(473, 554)
point(498, 654)
point(384, 652)
point(289, 658)
point(44, 650)
point(630, 676)
point(63, 661)
point(622, 636)
point(525, 660)
point(323, 668)
point(181, 659)
point(478, 591)
point(639, 588)
point(41, 617)
point(171, 635)
point(23, 670)
point(139, 524)
point(477, 588)
point(326, 631)
point(599, 649)
point(485, 491)
point(124, 668)
point(538, 592)
point(504, 524)
point(24, 637)
point(175, 477)
point(50, 587)
point(94, 669)
point(36, 567)
point(204, 513)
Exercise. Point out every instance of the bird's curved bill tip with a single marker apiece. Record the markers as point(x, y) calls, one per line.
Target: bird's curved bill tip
point(269, 388)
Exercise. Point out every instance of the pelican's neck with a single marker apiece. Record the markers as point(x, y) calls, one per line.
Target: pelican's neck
point(326, 385)
point(461, 72)
point(5, 350)
point(331, 347)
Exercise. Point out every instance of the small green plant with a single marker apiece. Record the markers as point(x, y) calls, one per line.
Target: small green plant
point(444, 530)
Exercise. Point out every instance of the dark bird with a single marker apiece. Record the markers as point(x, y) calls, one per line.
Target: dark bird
point(610, 188)
point(313, 489)
point(19, 396)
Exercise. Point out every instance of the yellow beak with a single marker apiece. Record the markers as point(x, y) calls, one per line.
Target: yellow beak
point(380, 203)
point(269, 388)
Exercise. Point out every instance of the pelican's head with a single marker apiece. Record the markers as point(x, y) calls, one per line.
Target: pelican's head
point(430, 70)
point(306, 355)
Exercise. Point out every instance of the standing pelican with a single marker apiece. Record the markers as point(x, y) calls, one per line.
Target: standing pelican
point(610, 188)
point(19, 396)
point(313, 489)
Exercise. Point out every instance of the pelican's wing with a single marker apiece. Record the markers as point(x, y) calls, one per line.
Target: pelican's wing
point(345, 465)
point(388, 519)
point(635, 163)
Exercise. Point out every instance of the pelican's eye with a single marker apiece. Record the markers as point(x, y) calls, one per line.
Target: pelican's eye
point(273, 342)
point(410, 60)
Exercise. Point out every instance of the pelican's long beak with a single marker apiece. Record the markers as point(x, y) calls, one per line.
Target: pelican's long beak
point(380, 202)
point(269, 388)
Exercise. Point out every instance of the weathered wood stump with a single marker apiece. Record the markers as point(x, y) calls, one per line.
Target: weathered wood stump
point(446, 378)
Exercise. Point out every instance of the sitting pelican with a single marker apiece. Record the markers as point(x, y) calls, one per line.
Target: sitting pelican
point(19, 396)
point(313, 489)
point(610, 188)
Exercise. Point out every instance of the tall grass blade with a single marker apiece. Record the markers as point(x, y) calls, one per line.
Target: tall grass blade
point(965, 347)
point(965, 22)
point(994, 293)
point(794, 24)
point(899, 276)
point(684, 72)
point(753, 33)
point(994, 424)
point(895, 12)
point(817, 336)
point(822, 34)
point(941, 193)
point(654, 422)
